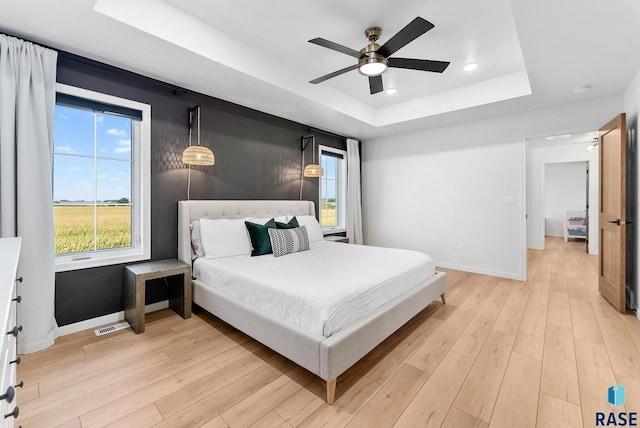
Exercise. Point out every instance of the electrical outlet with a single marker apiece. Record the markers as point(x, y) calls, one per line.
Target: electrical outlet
point(463, 246)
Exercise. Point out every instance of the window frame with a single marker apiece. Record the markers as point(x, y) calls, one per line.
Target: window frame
point(341, 178)
point(140, 191)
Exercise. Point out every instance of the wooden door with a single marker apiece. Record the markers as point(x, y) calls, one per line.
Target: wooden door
point(612, 227)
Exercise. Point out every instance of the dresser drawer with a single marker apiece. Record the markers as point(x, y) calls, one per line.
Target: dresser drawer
point(9, 255)
point(8, 365)
point(6, 407)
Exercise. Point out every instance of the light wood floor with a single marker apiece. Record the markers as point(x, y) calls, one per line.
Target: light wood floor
point(501, 353)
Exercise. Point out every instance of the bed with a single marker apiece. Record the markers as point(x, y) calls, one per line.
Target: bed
point(327, 347)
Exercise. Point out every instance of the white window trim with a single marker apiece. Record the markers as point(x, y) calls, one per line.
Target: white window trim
point(342, 191)
point(141, 192)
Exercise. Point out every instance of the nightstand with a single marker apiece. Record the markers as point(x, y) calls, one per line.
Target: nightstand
point(135, 279)
point(336, 238)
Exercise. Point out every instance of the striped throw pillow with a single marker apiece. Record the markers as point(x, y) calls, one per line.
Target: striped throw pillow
point(287, 241)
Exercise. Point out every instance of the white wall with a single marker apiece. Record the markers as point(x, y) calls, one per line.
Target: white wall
point(435, 189)
point(565, 190)
point(540, 155)
point(632, 108)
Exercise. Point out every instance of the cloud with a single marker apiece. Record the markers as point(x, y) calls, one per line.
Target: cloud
point(117, 132)
point(123, 146)
point(63, 149)
point(121, 173)
point(63, 116)
point(102, 175)
point(74, 168)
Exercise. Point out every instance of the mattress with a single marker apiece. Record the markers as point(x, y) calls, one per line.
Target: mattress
point(324, 289)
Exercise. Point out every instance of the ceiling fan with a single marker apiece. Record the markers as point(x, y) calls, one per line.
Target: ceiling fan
point(373, 59)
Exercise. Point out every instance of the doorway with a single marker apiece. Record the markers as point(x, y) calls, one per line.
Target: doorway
point(577, 149)
point(566, 201)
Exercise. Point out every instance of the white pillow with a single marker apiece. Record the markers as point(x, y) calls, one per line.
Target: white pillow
point(314, 231)
point(196, 241)
point(224, 238)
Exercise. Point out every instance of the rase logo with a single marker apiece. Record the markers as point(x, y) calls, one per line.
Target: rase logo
point(615, 396)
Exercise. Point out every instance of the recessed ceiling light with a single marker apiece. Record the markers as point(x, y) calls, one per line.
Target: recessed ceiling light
point(391, 91)
point(558, 137)
point(581, 89)
point(471, 66)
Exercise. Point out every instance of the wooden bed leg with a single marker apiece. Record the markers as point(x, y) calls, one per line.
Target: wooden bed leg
point(331, 391)
point(444, 299)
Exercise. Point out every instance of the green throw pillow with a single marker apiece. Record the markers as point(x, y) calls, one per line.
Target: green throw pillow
point(293, 223)
point(259, 235)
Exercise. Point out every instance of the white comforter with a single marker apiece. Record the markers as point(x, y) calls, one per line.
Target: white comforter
point(323, 289)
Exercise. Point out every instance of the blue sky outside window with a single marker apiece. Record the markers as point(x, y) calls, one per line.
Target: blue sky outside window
point(77, 141)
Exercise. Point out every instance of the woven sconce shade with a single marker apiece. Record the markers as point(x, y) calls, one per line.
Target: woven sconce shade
point(313, 170)
point(198, 155)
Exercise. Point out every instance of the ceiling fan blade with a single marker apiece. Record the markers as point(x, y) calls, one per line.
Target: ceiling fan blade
point(375, 84)
point(419, 64)
point(336, 47)
point(334, 74)
point(412, 31)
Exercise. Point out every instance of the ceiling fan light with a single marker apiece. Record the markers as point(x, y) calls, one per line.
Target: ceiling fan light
point(373, 69)
point(373, 64)
point(313, 170)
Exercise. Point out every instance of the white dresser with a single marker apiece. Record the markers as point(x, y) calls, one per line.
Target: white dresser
point(9, 255)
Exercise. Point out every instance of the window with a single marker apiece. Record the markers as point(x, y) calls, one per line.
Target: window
point(101, 165)
point(333, 190)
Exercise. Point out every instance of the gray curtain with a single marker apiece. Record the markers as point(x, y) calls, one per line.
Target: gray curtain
point(27, 107)
point(354, 199)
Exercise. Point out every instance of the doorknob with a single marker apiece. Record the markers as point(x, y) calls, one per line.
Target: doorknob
point(619, 222)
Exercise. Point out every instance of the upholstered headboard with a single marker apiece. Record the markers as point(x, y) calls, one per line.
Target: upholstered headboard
point(189, 211)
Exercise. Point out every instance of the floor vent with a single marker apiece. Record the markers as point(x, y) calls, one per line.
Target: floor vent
point(112, 328)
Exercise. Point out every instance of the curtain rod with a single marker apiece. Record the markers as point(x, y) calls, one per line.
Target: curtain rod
point(113, 69)
point(100, 65)
point(332, 134)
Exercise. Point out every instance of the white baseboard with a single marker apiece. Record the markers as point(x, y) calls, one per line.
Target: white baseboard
point(106, 319)
point(535, 247)
point(508, 275)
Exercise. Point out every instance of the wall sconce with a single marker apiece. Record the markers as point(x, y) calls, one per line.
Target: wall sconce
point(196, 155)
point(312, 169)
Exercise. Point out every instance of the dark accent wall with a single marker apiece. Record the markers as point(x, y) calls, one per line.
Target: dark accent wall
point(258, 156)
